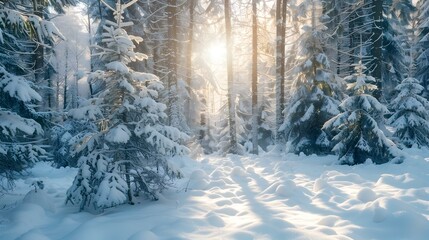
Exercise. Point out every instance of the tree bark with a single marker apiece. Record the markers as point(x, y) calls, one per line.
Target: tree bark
point(189, 59)
point(231, 103)
point(255, 112)
point(281, 9)
point(172, 64)
point(377, 44)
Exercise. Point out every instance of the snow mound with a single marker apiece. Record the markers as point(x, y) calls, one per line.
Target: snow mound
point(215, 220)
point(287, 189)
point(238, 171)
point(320, 185)
point(199, 180)
point(329, 221)
point(41, 198)
point(29, 215)
point(366, 195)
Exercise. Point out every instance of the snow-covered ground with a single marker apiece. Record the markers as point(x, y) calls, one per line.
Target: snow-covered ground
point(240, 197)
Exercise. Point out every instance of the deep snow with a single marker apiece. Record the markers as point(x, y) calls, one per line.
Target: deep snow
point(239, 197)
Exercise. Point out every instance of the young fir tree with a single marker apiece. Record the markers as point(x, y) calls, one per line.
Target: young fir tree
point(411, 116)
point(357, 135)
point(316, 96)
point(128, 154)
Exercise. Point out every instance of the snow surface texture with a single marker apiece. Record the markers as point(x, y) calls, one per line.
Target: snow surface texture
point(236, 197)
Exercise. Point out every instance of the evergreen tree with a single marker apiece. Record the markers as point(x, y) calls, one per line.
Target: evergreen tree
point(422, 62)
point(19, 147)
point(129, 152)
point(410, 119)
point(357, 136)
point(21, 126)
point(316, 95)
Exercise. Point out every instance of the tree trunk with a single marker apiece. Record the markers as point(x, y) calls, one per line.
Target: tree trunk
point(172, 64)
point(66, 72)
point(255, 112)
point(352, 42)
point(39, 51)
point(377, 44)
point(231, 102)
point(128, 181)
point(281, 8)
point(189, 59)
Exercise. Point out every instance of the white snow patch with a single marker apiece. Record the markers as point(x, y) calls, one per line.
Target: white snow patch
point(285, 197)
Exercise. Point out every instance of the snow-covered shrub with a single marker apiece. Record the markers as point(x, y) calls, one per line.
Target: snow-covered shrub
point(411, 116)
point(129, 153)
point(356, 131)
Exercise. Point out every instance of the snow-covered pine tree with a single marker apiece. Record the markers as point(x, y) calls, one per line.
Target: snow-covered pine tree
point(410, 119)
point(422, 62)
point(21, 126)
point(357, 135)
point(19, 147)
point(129, 153)
point(316, 96)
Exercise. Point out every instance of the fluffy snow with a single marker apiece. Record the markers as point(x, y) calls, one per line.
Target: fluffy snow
point(239, 197)
point(118, 134)
point(117, 66)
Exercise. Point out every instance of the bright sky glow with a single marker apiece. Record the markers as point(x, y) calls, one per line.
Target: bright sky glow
point(216, 53)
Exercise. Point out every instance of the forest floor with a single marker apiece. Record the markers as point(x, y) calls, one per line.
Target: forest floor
point(239, 197)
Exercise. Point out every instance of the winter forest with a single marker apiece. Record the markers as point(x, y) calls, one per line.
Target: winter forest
point(214, 119)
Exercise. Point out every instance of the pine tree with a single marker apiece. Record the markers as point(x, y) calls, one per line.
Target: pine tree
point(19, 147)
point(357, 136)
point(422, 62)
point(129, 153)
point(316, 95)
point(22, 127)
point(410, 119)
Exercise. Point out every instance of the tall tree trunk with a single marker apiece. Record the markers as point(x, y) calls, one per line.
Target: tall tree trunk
point(352, 44)
point(377, 44)
point(231, 100)
point(39, 52)
point(66, 72)
point(255, 111)
point(281, 7)
point(39, 59)
point(90, 42)
point(172, 64)
point(189, 59)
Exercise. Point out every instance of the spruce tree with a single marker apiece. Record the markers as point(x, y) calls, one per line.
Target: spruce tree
point(129, 152)
point(21, 125)
point(410, 119)
point(422, 62)
point(355, 130)
point(316, 95)
point(19, 148)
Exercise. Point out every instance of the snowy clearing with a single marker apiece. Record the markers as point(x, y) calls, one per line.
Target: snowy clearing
point(240, 197)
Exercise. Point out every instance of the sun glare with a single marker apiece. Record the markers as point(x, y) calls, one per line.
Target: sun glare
point(216, 53)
